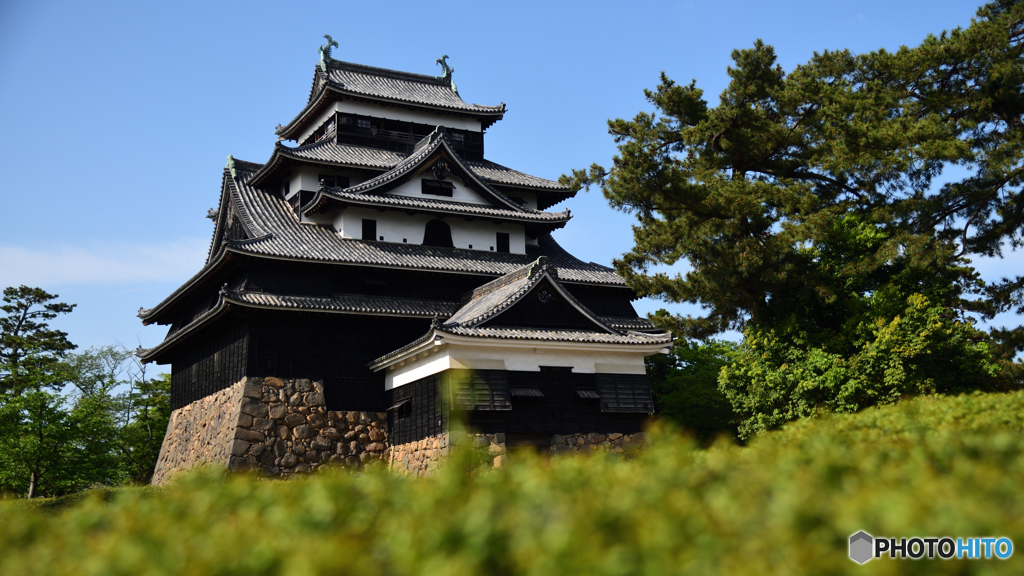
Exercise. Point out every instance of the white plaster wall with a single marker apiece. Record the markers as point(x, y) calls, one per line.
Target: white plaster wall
point(529, 198)
point(524, 359)
point(417, 116)
point(395, 226)
point(435, 361)
point(311, 127)
point(305, 178)
point(462, 193)
point(531, 359)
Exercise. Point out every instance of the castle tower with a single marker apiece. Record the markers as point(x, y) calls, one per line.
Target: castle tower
point(381, 274)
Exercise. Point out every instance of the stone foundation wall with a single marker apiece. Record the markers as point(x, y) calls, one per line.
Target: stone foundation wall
point(420, 458)
point(277, 426)
point(200, 433)
point(626, 444)
point(284, 428)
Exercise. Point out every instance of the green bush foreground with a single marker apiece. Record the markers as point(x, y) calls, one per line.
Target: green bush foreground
point(785, 504)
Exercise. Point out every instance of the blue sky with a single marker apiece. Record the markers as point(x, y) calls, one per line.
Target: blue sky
point(119, 115)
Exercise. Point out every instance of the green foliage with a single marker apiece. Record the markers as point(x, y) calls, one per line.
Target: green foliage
point(148, 412)
point(138, 407)
point(923, 350)
point(748, 191)
point(106, 431)
point(785, 504)
point(30, 351)
point(684, 384)
point(810, 208)
point(49, 449)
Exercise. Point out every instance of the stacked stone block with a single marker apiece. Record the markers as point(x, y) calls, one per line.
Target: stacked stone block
point(200, 433)
point(284, 428)
point(281, 427)
point(625, 444)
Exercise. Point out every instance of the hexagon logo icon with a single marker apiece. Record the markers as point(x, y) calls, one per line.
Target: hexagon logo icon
point(861, 545)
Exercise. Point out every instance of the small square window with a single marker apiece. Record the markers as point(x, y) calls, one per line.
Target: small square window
point(369, 229)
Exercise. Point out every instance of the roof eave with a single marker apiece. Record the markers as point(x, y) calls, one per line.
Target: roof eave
point(324, 199)
point(289, 131)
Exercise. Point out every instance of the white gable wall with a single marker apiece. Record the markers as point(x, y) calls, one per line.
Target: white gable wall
point(526, 357)
point(397, 226)
point(462, 193)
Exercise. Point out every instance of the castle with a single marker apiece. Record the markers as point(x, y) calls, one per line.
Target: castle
point(380, 277)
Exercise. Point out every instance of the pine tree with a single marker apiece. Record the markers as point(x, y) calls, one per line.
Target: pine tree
point(807, 203)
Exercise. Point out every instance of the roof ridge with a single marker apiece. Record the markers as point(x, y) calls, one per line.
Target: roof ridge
point(514, 276)
point(390, 73)
point(424, 148)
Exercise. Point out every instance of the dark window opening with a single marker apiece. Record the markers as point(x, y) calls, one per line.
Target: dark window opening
point(369, 229)
point(332, 181)
point(439, 234)
point(373, 287)
point(287, 188)
point(403, 410)
point(438, 188)
point(401, 136)
point(503, 242)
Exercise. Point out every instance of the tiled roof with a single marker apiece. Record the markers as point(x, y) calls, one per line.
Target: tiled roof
point(491, 299)
point(329, 151)
point(432, 147)
point(582, 336)
point(446, 206)
point(349, 303)
point(401, 86)
point(287, 238)
point(278, 234)
point(626, 324)
point(415, 90)
point(530, 334)
point(496, 296)
point(498, 174)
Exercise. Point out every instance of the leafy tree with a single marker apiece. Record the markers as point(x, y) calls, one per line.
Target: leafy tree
point(48, 448)
point(138, 406)
point(922, 351)
point(808, 206)
point(141, 437)
point(684, 384)
point(31, 351)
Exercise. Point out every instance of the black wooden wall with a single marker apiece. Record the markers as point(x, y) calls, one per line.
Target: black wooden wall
point(335, 348)
point(417, 410)
point(210, 363)
point(487, 402)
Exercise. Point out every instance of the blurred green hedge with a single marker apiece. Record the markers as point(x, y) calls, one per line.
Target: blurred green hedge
point(785, 504)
